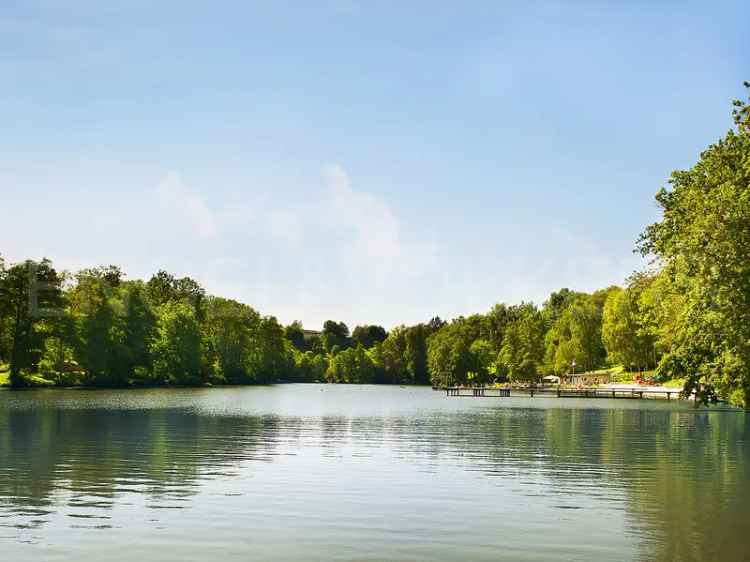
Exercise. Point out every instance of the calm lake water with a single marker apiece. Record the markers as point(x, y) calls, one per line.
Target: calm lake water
point(364, 473)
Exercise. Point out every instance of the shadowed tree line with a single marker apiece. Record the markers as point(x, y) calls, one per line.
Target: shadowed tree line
point(688, 316)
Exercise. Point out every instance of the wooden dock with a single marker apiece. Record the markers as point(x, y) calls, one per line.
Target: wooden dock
point(480, 391)
point(560, 392)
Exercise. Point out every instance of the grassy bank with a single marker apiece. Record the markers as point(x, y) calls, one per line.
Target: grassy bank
point(35, 380)
point(618, 374)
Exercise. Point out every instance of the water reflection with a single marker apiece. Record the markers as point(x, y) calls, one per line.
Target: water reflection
point(677, 482)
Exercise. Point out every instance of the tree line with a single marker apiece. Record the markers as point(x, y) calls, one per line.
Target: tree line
point(687, 316)
point(96, 328)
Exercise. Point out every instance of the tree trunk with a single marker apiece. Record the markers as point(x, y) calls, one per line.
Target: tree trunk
point(16, 381)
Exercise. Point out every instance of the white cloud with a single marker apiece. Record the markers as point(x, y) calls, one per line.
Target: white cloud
point(176, 197)
point(338, 252)
point(373, 234)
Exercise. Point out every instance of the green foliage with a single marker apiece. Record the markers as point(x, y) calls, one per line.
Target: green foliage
point(558, 302)
point(703, 242)
point(296, 335)
point(271, 356)
point(369, 335)
point(335, 334)
point(521, 356)
point(138, 321)
point(482, 361)
point(415, 354)
point(391, 355)
point(628, 338)
point(353, 365)
point(309, 367)
point(228, 332)
point(449, 353)
point(164, 287)
point(99, 335)
point(176, 347)
point(30, 301)
point(575, 337)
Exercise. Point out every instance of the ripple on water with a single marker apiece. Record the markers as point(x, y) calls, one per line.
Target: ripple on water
point(354, 473)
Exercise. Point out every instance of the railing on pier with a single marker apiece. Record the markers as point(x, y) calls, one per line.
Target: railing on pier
point(561, 392)
point(478, 391)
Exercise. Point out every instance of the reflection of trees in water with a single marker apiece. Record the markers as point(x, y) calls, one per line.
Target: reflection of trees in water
point(97, 455)
point(682, 476)
point(693, 499)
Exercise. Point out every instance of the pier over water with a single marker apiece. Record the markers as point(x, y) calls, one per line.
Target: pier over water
point(562, 392)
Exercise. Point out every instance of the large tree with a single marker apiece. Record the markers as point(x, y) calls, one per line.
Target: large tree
point(451, 358)
point(30, 299)
point(176, 348)
point(368, 335)
point(703, 242)
point(335, 335)
point(230, 332)
point(521, 356)
point(625, 332)
point(99, 340)
point(164, 287)
point(296, 335)
point(271, 355)
point(576, 337)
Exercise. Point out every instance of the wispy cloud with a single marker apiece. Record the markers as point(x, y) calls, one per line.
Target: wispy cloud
point(374, 240)
point(178, 199)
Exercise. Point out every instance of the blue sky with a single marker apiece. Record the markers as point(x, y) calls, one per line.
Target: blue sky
point(364, 161)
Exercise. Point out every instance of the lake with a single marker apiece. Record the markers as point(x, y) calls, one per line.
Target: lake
point(366, 473)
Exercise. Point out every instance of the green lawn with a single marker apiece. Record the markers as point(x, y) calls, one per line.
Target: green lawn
point(675, 383)
point(39, 380)
point(35, 380)
point(620, 375)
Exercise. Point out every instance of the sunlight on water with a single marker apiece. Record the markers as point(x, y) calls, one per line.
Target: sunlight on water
point(313, 472)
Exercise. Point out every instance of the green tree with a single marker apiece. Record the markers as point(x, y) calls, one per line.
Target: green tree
point(30, 299)
point(309, 367)
point(99, 335)
point(230, 332)
point(521, 357)
point(415, 354)
point(4, 316)
point(392, 356)
point(112, 275)
point(271, 355)
point(164, 287)
point(558, 302)
point(334, 334)
point(576, 337)
point(176, 347)
point(352, 365)
point(449, 355)
point(703, 242)
point(296, 335)
point(368, 335)
point(623, 333)
point(482, 358)
point(138, 327)
point(659, 308)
